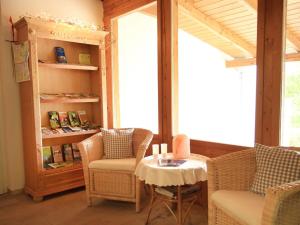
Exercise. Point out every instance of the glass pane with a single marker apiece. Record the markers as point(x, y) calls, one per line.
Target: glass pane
point(216, 100)
point(138, 76)
point(290, 113)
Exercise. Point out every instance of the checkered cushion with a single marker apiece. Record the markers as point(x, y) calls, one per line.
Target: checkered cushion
point(275, 166)
point(117, 143)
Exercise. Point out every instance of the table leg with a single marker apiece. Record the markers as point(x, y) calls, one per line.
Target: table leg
point(151, 203)
point(179, 205)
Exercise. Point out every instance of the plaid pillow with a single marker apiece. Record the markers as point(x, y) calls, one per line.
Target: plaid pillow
point(275, 166)
point(117, 143)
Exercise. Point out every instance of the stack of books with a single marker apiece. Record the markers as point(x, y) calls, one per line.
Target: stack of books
point(171, 191)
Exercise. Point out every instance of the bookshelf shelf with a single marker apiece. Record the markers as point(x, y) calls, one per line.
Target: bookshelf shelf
point(77, 133)
point(69, 100)
point(69, 66)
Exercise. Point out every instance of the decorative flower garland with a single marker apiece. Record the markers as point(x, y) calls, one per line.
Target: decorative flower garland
point(43, 16)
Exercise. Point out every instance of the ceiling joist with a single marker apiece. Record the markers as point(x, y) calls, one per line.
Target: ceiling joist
point(290, 35)
point(252, 61)
point(190, 11)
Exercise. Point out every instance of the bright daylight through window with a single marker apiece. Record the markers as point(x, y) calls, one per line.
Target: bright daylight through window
point(290, 119)
point(138, 79)
point(215, 103)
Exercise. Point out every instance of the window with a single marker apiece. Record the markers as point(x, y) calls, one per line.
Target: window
point(290, 120)
point(215, 103)
point(290, 104)
point(137, 89)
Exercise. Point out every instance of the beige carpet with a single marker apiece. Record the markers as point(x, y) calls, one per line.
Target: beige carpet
point(70, 208)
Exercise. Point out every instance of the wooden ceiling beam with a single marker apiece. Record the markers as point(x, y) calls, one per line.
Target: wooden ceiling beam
point(190, 11)
point(252, 61)
point(290, 35)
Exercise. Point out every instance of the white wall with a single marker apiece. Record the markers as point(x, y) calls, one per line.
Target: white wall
point(89, 11)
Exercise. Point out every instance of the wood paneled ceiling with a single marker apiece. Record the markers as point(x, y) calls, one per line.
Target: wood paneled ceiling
point(231, 25)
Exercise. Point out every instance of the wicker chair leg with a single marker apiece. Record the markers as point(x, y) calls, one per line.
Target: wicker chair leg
point(212, 214)
point(137, 195)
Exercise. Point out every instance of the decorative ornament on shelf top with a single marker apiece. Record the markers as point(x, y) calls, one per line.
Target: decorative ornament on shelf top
point(46, 17)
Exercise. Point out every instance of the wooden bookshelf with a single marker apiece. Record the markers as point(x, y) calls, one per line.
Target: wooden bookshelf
point(48, 77)
point(69, 66)
point(64, 100)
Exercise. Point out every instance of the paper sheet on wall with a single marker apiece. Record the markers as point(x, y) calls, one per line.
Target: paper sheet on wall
point(21, 56)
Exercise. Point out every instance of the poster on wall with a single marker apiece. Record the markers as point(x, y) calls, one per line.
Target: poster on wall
point(20, 59)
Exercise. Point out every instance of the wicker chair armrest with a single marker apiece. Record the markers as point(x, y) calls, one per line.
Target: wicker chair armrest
point(143, 146)
point(91, 149)
point(282, 204)
point(234, 171)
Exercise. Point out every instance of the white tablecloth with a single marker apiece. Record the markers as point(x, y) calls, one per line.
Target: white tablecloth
point(190, 172)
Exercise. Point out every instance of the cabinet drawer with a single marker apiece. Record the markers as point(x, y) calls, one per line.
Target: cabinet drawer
point(66, 178)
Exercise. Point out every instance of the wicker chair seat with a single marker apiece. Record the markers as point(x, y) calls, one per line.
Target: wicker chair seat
point(243, 206)
point(127, 164)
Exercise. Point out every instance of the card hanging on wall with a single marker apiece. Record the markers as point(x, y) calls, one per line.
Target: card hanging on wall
point(20, 58)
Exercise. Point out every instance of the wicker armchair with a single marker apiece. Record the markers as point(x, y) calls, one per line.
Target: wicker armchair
point(113, 178)
point(230, 201)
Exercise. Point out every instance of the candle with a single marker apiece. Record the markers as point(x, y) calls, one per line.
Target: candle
point(155, 151)
point(164, 150)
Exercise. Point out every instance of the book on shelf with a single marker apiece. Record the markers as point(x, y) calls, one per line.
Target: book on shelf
point(57, 154)
point(46, 131)
point(170, 162)
point(73, 118)
point(76, 152)
point(59, 165)
point(83, 118)
point(47, 156)
point(53, 119)
point(63, 119)
point(67, 152)
point(60, 55)
point(76, 129)
point(72, 129)
point(67, 129)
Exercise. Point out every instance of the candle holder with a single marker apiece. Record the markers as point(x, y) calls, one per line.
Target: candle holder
point(155, 151)
point(164, 150)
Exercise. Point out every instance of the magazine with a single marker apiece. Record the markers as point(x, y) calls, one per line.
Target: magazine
point(76, 152)
point(73, 118)
point(171, 191)
point(170, 162)
point(47, 156)
point(67, 129)
point(83, 118)
point(61, 164)
point(57, 154)
point(63, 119)
point(53, 119)
point(67, 151)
